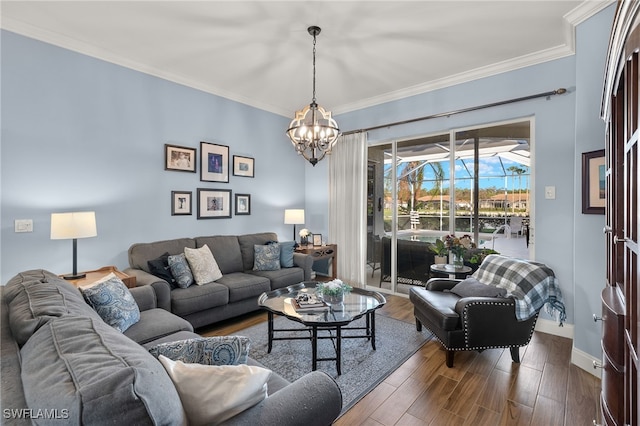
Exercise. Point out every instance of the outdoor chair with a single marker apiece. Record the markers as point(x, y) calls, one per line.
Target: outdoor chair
point(497, 307)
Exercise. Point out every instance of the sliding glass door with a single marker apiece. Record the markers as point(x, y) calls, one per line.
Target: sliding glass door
point(468, 181)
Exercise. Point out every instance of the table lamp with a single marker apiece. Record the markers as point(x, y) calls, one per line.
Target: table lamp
point(294, 217)
point(71, 226)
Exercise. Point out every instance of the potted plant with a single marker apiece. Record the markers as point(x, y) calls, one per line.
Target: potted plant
point(440, 250)
point(333, 291)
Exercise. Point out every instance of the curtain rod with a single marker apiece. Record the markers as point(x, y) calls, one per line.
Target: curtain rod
point(560, 91)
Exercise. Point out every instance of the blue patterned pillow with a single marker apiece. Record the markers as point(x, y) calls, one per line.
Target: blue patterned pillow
point(218, 350)
point(113, 301)
point(180, 270)
point(266, 258)
point(286, 253)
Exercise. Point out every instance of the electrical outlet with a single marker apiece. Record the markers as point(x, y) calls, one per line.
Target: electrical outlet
point(550, 192)
point(23, 225)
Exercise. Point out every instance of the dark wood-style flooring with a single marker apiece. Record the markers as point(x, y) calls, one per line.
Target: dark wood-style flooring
point(484, 388)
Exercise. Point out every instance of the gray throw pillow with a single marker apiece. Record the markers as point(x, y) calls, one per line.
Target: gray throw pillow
point(266, 257)
point(287, 249)
point(113, 301)
point(180, 270)
point(471, 287)
point(217, 350)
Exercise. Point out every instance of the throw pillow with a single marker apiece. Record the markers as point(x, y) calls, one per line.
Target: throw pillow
point(267, 257)
point(217, 350)
point(287, 249)
point(180, 270)
point(471, 287)
point(113, 301)
point(211, 394)
point(203, 266)
point(160, 268)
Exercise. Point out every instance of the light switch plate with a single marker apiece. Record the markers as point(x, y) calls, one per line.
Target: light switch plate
point(550, 192)
point(23, 225)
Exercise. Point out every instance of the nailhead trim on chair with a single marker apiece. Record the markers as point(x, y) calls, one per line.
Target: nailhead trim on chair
point(465, 316)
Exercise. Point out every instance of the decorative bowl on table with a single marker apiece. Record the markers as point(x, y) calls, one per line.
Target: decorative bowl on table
point(450, 267)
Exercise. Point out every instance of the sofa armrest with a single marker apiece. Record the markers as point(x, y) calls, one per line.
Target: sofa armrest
point(313, 399)
point(305, 262)
point(441, 284)
point(145, 297)
point(161, 287)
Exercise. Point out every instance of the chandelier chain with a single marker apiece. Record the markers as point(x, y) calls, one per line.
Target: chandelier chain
point(314, 69)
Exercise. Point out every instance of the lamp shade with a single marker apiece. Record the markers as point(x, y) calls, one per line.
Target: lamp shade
point(294, 217)
point(66, 226)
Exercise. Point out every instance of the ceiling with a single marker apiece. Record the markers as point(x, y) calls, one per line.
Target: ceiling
point(260, 53)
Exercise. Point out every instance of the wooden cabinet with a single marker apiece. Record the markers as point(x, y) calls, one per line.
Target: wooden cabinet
point(327, 251)
point(620, 297)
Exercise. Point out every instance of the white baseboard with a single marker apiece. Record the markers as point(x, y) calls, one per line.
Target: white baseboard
point(579, 358)
point(552, 327)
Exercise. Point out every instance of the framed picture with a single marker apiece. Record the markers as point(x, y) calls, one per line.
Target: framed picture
point(214, 203)
point(179, 158)
point(243, 166)
point(593, 182)
point(317, 239)
point(243, 204)
point(180, 203)
point(214, 162)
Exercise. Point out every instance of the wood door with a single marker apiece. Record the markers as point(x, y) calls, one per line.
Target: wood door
point(620, 298)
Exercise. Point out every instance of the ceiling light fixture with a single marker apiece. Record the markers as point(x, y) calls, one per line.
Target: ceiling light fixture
point(313, 132)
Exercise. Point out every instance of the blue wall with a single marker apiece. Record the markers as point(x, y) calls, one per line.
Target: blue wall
point(82, 134)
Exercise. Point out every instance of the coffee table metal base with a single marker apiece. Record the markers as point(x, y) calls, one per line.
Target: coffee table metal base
point(369, 328)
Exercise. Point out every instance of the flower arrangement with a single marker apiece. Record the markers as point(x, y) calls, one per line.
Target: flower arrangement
point(304, 233)
point(333, 288)
point(458, 246)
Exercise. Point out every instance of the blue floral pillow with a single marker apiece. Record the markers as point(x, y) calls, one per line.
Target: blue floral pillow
point(113, 301)
point(218, 350)
point(180, 270)
point(267, 257)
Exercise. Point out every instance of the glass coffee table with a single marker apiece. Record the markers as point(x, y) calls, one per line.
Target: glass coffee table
point(357, 303)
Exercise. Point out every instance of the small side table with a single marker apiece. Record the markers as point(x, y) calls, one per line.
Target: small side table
point(92, 276)
point(453, 273)
point(327, 251)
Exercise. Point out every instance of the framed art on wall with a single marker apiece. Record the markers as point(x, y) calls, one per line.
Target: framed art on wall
point(243, 204)
point(214, 203)
point(179, 158)
point(180, 203)
point(214, 162)
point(593, 182)
point(243, 166)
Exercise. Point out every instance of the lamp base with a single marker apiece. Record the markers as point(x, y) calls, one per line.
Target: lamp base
point(74, 276)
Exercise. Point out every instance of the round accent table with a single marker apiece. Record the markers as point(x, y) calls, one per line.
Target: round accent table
point(451, 270)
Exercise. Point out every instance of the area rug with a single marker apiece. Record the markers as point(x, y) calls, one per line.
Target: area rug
point(362, 367)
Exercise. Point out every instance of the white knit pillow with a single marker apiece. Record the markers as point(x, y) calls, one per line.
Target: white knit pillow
point(203, 266)
point(211, 394)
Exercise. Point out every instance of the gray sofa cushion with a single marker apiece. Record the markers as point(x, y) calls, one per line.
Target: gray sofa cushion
point(185, 301)
point(225, 250)
point(87, 367)
point(244, 286)
point(247, 243)
point(156, 323)
point(37, 296)
point(282, 277)
point(141, 253)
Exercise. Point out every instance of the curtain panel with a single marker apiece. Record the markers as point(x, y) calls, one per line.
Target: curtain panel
point(347, 205)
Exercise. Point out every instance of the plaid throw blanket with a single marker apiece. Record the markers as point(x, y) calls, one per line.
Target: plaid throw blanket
point(532, 285)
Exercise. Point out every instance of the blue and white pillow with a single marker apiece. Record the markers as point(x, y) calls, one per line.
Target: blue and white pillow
point(180, 270)
point(113, 301)
point(267, 257)
point(217, 350)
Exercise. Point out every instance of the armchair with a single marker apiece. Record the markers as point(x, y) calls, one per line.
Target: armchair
point(480, 317)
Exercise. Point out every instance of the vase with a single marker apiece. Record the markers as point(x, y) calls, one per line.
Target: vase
point(440, 260)
point(457, 261)
point(304, 241)
point(335, 301)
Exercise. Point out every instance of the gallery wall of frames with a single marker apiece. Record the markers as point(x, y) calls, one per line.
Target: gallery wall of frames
point(215, 164)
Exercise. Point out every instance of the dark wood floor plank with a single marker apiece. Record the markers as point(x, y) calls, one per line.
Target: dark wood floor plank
point(392, 409)
point(515, 414)
point(548, 412)
point(554, 382)
point(582, 397)
point(496, 391)
point(465, 395)
point(429, 403)
point(525, 386)
point(480, 416)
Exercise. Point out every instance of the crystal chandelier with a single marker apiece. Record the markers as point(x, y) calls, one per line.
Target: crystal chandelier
point(313, 132)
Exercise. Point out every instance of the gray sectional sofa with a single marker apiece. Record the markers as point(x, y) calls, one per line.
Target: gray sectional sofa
point(234, 294)
point(60, 363)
